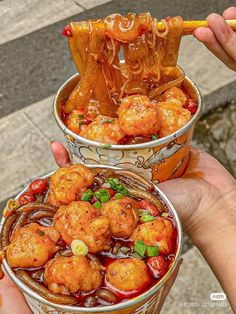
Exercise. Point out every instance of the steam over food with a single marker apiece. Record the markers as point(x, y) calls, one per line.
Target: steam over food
point(92, 237)
point(118, 102)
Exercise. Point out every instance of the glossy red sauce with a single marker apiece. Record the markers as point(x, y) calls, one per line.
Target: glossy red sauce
point(105, 259)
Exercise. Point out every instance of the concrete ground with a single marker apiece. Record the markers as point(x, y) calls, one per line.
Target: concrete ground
point(34, 62)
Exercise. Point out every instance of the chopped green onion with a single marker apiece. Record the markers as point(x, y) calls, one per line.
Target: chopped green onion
point(146, 218)
point(135, 255)
point(154, 137)
point(122, 189)
point(87, 195)
point(104, 198)
point(105, 146)
point(143, 212)
point(118, 196)
point(97, 205)
point(117, 186)
point(80, 116)
point(81, 123)
point(125, 249)
point(103, 195)
point(107, 121)
point(140, 248)
point(152, 251)
point(165, 215)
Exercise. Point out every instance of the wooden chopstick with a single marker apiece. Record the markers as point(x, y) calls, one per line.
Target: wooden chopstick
point(190, 26)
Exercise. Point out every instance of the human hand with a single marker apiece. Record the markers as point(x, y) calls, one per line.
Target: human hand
point(219, 38)
point(11, 299)
point(197, 196)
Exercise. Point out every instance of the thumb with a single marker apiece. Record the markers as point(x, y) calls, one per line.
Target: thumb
point(60, 154)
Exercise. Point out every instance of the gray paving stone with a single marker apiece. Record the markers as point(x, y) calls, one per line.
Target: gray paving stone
point(25, 139)
point(192, 289)
point(88, 4)
point(31, 15)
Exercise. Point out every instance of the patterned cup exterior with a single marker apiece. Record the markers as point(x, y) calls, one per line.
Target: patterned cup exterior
point(157, 160)
point(148, 306)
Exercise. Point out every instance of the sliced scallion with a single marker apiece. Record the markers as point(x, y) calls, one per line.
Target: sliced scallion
point(125, 249)
point(97, 205)
point(86, 197)
point(146, 218)
point(140, 248)
point(152, 251)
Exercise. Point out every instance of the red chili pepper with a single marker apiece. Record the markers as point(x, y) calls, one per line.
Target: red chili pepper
point(191, 105)
point(87, 122)
point(157, 266)
point(144, 204)
point(93, 200)
point(112, 192)
point(26, 197)
point(38, 186)
point(125, 140)
point(67, 31)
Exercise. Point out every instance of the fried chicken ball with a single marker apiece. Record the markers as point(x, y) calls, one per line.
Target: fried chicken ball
point(70, 274)
point(122, 215)
point(158, 232)
point(32, 246)
point(103, 130)
point(128, 274)
point(172, 116)
point(176, 93)
point(75, 121)
point(66, 183)
point(137, 116)
point(80, 220)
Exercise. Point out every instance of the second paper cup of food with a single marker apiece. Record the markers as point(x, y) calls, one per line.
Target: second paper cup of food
point(158, 160)
point(146, 303)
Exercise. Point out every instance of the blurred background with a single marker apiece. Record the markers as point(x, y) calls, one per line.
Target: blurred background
point(34, 62)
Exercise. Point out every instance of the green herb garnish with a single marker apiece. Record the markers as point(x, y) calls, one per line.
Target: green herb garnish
point(140, 248)
point(107, 121)
point(80, 116)
point(97, 205)
point(146, 218)
point(86, 197)
point(152, 251)
point(125, 249)
point(118, 196)
point(154, 137)
point(105, 146)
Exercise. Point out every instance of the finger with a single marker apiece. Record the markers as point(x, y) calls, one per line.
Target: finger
point(206, 36)
point(60, 154)
point(168, 285)
point(230, 13)
point(223, 33)
point(12, 300)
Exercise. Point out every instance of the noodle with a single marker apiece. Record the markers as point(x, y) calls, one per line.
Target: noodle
point(148, 56)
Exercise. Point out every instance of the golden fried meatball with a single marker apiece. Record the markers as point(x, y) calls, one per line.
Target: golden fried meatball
point(81, 221)
point(172, 116)
point(137, 116)
point(158, 232)
point(122, 215)
point(66, 183)
point(127, 274)
point(176, 93)
point(70, 274)
point(75, 121)
point(103, 130)
point(32, 246)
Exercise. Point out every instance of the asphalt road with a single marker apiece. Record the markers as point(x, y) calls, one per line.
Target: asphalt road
point(32, 67)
